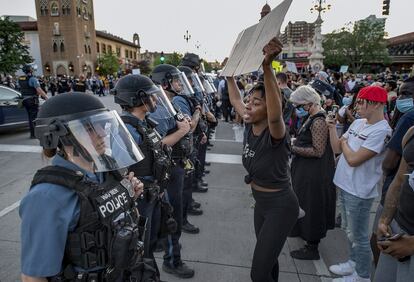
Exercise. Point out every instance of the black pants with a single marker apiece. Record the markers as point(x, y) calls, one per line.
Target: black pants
point(275, 214)
point(31, 105)
point(226, 109)
point(174, 195)
point(187, 193)
point(202, 151)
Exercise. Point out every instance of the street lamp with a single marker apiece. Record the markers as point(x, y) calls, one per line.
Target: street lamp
point(187, 36)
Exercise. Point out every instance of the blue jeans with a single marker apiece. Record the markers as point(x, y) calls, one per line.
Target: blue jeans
point(355, 222)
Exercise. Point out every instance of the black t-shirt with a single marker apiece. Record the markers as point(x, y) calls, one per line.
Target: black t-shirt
point(266, 160)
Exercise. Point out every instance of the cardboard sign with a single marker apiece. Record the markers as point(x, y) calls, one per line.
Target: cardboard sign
point(136, 71)
point(247, 55)
point(343, 69)
point(291, 66)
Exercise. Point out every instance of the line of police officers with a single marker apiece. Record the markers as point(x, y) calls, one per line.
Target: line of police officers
point(168, 118)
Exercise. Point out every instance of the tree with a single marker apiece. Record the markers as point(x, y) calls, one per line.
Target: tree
point(108, 64)
point(363, 43)
point(144, 66)
point(13, 53)
point(207, 66)
point(174, 59)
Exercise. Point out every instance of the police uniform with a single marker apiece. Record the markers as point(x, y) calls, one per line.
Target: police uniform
point(79, 86)
point(28, 85)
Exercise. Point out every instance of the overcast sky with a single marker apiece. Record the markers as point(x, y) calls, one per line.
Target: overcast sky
point(214, 24)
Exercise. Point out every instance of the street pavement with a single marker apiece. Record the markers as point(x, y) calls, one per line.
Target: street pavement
point(221, 252)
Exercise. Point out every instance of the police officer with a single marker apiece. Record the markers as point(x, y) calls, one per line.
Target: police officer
point(174, 128)
point(31, 90)
point(137, 96)
point(63, 84)
point(79, 220)
point(80, 84)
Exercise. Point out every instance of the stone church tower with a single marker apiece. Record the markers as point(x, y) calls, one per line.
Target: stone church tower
point(67, 36)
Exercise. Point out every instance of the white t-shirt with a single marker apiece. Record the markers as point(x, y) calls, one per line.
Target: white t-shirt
point(361, 181)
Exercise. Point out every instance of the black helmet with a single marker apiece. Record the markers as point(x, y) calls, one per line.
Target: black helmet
point(191, 60)
point(171, 79)
point(193, 78)
point(27, 68)
point(187, 70)
point(83, 125)
point(134, 90)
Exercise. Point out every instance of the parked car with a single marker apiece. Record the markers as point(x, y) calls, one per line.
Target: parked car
point(12, 113)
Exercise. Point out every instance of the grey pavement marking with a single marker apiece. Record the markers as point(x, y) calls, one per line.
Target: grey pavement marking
point(224, 158)
point(9, 209)
point(227, 140)
point(20, 148)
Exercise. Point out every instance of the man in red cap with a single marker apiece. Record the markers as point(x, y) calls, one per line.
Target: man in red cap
point(357, 175)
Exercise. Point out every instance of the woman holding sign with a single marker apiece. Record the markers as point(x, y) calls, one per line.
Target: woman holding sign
point(266, 159)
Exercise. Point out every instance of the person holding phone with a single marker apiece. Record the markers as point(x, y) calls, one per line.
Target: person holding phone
point(312, 154)
point(266, 159)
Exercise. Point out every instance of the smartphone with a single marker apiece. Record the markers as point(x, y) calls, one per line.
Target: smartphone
point(393, 237)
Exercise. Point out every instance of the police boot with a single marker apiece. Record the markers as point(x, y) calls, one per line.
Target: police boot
point(194, 211)
point(198, 188)
point(190, 228)
point(180, 270)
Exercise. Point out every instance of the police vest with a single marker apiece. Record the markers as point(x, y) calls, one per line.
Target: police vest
point(157, 161)
point(79, 86)
point(63, 86)
point(109, 233)
point(25, 88)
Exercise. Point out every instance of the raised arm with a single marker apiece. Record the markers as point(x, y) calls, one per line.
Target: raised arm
point(234, 94)
point(273, 95)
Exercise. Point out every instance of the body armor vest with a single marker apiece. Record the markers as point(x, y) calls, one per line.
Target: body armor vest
point(109, 233)
point(157, 161)
point(25, 89)
point(79, 86)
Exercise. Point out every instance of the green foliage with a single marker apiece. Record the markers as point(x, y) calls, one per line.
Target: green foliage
point(207, 66)
point(144, 66)
point(13, 53)
point(174, 59)
point(364, 43)
point(108, 64)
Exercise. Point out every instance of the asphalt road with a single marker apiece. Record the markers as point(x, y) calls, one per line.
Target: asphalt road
point(223, 249)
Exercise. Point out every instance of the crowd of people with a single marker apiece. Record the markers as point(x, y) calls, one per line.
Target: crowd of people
point(126, 182)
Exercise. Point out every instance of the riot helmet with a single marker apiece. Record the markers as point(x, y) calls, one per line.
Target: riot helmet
point(191, 60)
point(192, 78)
point(86, 132)
point(27, 69)
point(172, 80)
point(135, 90)
point(207, 86)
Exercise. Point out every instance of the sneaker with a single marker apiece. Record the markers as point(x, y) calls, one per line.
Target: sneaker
point(354, 277)
point(181, 270)
point(343, 269)
point(189, 228)
point(306, 253)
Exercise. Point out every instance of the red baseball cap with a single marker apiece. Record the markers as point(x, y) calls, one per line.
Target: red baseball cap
point(373, 93)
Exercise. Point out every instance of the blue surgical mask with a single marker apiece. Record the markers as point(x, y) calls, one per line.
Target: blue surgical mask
point(404, 105)
point(300, 112)
point(347, 101)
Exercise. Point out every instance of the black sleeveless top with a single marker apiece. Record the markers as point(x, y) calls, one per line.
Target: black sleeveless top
point(405, 212)
point(266, 160)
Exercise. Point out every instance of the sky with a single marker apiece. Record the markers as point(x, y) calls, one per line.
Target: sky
point(215, 24)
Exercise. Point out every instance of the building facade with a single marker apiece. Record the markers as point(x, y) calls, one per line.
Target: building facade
point(401, 51)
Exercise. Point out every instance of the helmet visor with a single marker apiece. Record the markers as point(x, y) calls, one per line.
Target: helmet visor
point(211, 81)
point(207, 87)
point(196, 83)
point(165, 110)
point(179, 83)
point(103, 141)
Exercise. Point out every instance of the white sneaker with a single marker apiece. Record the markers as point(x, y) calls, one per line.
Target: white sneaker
point(342, 269)
point(354, 277)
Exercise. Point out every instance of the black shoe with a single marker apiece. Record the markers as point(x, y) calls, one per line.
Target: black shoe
point(190, 229)
point(195, 204)
point(207, 164)
point(181, 270)
point(159, 248)
point(202, 183)
point(206, 171)
point(208, 149)
point(199, 189)
point(194, 211)
point(210, 145)
point(309, 252)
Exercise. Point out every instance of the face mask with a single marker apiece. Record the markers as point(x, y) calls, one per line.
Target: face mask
point(404, 105)
point(347, 101)
point(300, 112)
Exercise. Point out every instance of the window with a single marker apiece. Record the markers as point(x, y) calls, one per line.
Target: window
point(56, 30)
point(110, 49)
point(126, 53)
point(130, 54)
point(55, 47)
point(62, 47)
point(97, 47)
point(85, 13)
point(89, 49)
point(118, 51)
point(135, 56)
point(103, 48)
point(86, 49)
point(54, 9)
point(44, 7)
point(66, 7)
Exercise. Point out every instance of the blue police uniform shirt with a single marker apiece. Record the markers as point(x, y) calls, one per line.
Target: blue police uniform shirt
point(199, 96)
point(404, 123)
point(166, 122)
point(182, 103)
point(33, 82)
point(48, 213)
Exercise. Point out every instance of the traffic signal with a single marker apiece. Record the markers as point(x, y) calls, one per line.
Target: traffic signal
point(162, 58)
point(386, 7)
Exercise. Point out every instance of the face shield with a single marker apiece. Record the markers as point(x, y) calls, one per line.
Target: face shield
point(179, 83)
point(196, 83)
point(103, 141)
point(165, 110)
point(211, 81)
point(207, 87)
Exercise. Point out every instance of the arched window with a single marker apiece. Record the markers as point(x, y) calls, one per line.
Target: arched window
point(65, 7)
point(54, 9)
point(104, 48)
point(44, 7)
point(62, 47)
point(86, 49)
point(97, 47)
point(89, 49)
point(55, 47)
